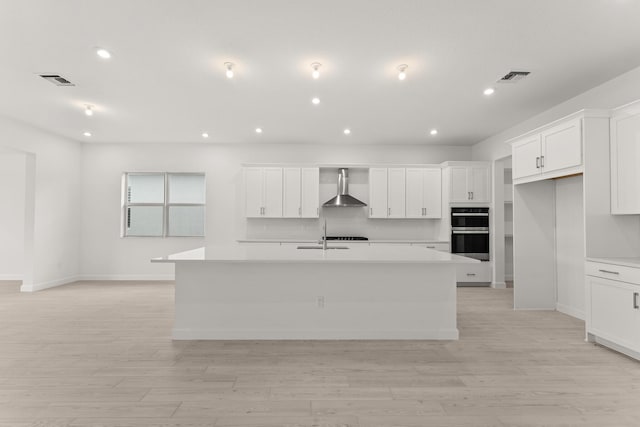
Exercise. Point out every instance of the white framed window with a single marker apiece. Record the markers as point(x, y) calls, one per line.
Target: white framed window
point(163, 204)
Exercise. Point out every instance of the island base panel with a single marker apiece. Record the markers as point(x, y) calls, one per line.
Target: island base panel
point(249, 301)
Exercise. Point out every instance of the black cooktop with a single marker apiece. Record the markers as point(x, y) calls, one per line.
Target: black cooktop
point(346, 238)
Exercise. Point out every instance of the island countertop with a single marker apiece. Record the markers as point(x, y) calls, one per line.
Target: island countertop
point(291, 254)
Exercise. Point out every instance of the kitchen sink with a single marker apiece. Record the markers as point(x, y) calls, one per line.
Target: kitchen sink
point(320, 247)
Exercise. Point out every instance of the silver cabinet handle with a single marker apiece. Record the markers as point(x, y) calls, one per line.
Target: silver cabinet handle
point(608, 271)
point(537, 162)
point(318, 211)
point(299, 211)
point(471, 274)
point(431, 247)
point(635, 300)
point(388, 211)
point(542, 161)
point(472, 195)
point(370, 211)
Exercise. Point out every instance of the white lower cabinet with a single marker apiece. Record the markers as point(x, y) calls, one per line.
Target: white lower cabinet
point(613, 306)
point(473, 273)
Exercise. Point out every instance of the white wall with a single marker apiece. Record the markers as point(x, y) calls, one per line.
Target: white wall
point(52, 198)
point(613, 93)
point(108, 256)
point(12, 192)
point(570, 246)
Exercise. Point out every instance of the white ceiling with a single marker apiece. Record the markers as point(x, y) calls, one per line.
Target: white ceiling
point(166, 81)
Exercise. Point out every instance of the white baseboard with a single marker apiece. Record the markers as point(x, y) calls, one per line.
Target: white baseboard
point(10, 276)
point(499, 285)
point(34, 287)
point(127, 277)
point(571, 311)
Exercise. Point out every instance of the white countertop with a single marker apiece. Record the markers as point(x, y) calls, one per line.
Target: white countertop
point(628, 262)
point(414, 242)
point(290, 254)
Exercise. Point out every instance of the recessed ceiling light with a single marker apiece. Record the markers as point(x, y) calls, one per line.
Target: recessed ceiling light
point(258, 130)
point(403, 71)
point(229, 67)
point(489, 91)
point(103, 53)
point(205, 135)
point(88, 110)
point(87, 134)
point(434, 131)
point(347, 131)
point(315, 101)
point(316, 70)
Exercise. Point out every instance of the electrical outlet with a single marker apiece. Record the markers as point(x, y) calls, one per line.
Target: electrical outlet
point(320, 301)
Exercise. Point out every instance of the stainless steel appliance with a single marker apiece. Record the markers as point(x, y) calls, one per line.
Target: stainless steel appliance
point(343, 198)
point(470, 232)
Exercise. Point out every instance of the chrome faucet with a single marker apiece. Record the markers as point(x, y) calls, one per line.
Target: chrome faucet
point(324, 235)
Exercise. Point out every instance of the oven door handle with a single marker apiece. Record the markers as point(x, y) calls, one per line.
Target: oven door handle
point(470, 214)
point(469, 232)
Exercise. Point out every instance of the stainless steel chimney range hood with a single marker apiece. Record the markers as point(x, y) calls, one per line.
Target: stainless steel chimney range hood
point(343, 199)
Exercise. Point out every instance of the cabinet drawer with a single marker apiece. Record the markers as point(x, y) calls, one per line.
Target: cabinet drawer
point(480, 272)
point(438, 246)
point(614, 272)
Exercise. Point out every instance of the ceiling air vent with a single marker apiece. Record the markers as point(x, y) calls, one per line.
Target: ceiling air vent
point(56, 80)
point(513, 76)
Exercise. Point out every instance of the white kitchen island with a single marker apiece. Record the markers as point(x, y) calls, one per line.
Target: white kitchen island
point(282, 292)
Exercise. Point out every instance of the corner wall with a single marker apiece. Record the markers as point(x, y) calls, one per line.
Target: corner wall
point(53, 198)
point(12, 192)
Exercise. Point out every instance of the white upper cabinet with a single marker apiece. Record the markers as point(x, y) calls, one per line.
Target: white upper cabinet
point(378, 207)
point(469, 183)
point(526, 157)
point(549, 153)
point(423, 193)
point(290, 192)
point(396, 193)
point(272, 193)
point(263, 192)
point(625, 160)
point(310, 194)
point(561, 146)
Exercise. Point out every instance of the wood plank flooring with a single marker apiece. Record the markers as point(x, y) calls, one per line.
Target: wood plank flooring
point(100, 354)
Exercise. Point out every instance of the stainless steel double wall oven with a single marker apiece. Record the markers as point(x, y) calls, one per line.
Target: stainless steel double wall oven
point(470, 232)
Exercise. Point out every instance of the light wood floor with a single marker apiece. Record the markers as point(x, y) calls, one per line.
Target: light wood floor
point(100, 354)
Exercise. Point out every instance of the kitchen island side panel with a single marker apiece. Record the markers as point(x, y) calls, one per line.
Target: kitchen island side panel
point(257, 300)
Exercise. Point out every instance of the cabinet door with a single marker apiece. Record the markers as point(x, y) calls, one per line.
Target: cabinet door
point(253, 183)
point(459, 192)
point(310, 193)
point(377, 193)
point(396, 196)
point(611, 311)
point(415, 191)
point(625, 158)
point(291, 193)
point(562, 146)
point(272, 193)
point(432, 194)
point(526, 157)
point(479, 183)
